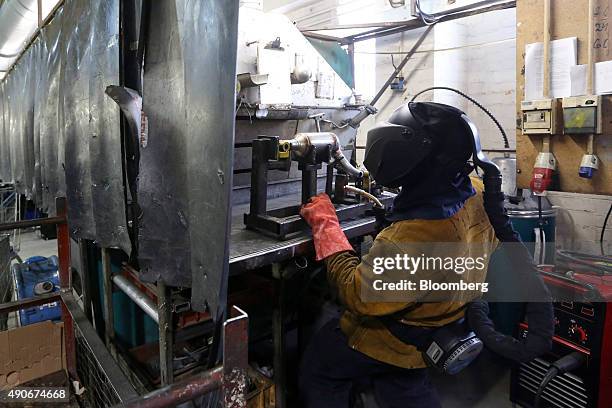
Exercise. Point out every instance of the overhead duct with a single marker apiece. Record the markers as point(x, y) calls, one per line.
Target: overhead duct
point(18, 22)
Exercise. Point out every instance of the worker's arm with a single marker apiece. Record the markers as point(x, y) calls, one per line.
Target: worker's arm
point(354, 281)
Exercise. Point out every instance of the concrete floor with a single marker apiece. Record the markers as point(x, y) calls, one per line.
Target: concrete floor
point(33, 245)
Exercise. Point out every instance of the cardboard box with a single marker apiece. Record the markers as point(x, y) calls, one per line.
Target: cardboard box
point(30, 352)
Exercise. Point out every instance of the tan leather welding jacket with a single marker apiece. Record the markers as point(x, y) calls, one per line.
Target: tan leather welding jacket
point(361, 321)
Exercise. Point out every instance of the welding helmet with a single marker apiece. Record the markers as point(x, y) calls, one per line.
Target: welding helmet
point(418, 137)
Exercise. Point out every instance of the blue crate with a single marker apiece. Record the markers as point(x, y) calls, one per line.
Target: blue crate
point(36, 276)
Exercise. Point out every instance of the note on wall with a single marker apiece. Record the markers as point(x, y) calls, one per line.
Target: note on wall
point(563, 57)
point(602, 79)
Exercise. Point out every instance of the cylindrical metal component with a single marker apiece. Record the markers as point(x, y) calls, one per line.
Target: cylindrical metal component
point(166, 333)
point(303, 143)
point(109, 321)
point(309, 185)
point(133, 292)
point(329, 180)
point(180, 392)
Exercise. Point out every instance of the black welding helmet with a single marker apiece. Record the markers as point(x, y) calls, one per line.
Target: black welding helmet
point(417, 137)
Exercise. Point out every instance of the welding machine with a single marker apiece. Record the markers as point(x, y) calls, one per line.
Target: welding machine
point(583, 331)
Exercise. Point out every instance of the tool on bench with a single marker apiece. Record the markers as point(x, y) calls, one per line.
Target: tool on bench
point(310, 151)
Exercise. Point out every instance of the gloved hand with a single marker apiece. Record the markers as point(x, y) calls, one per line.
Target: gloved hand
point(327, 235)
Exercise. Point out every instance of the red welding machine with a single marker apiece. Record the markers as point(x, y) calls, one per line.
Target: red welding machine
point(582, 324)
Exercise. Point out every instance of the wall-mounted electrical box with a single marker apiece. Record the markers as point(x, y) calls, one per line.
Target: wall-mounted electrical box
point(540, 117)
point(582, 114)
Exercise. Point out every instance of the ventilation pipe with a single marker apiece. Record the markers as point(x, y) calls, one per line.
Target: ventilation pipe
point(18, 22)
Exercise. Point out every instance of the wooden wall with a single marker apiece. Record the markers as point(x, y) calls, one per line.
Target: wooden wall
point(568, 19)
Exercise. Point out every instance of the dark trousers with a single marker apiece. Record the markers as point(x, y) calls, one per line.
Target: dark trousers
point(330, 368)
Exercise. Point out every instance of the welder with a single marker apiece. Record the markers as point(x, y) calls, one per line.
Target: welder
point(423, 148)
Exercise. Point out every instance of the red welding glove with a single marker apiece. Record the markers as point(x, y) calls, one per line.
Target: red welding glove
point(327, 235)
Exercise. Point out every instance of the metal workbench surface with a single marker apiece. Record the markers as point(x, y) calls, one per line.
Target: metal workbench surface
point(251, 249)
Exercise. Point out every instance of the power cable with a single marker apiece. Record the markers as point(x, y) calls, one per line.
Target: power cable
point(475, 102)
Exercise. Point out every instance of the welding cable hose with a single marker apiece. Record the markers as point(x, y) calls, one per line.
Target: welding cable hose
point(367, 195)
point(564, 364)
point(538, 308)
point(342, 162)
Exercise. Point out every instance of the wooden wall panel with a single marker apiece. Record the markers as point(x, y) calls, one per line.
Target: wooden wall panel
point(568, 19)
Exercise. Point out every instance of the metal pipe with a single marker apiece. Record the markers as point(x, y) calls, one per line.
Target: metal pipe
point(343, 162)
point(133, 292)
point(303, 143)
point(18, 22)
point(109, 321)
point(8, 226)
point(179, 392)
point(166, 333)
point(401, 65)
point(365, 194)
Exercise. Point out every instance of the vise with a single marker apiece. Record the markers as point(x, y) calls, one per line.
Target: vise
point(310, 150)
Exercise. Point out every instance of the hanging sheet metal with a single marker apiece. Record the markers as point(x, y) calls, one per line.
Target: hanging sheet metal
point(186, 166)
point(5, 155)
point(38, 95)
point(108, 191)
point(163, 236)
point(51, 136)
point(92, 162)
point(210, 83)
point(77, 69)
point(64, 135)
point(15, 86)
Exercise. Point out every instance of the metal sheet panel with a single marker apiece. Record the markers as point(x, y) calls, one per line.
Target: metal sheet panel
point(5, 157)
point(186, 166)
point(15, 84)
point(163, 238)
point(210, 37)
point(29, 68)
point(65, 136)
point(105, 143)
point(38, 96)
point(75, 75)
point(91, 126)
point(51, 138)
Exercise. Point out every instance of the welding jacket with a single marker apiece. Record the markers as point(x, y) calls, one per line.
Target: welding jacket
point(363, 322)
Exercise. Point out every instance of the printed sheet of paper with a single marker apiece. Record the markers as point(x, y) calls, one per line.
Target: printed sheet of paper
point(602, 79)
point(563, 57)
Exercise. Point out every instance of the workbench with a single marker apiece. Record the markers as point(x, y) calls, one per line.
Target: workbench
point(251, 249)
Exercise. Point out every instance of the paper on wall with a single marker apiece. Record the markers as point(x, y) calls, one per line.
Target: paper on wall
point(563, 57)
point(602, 79)
point(578, 80)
